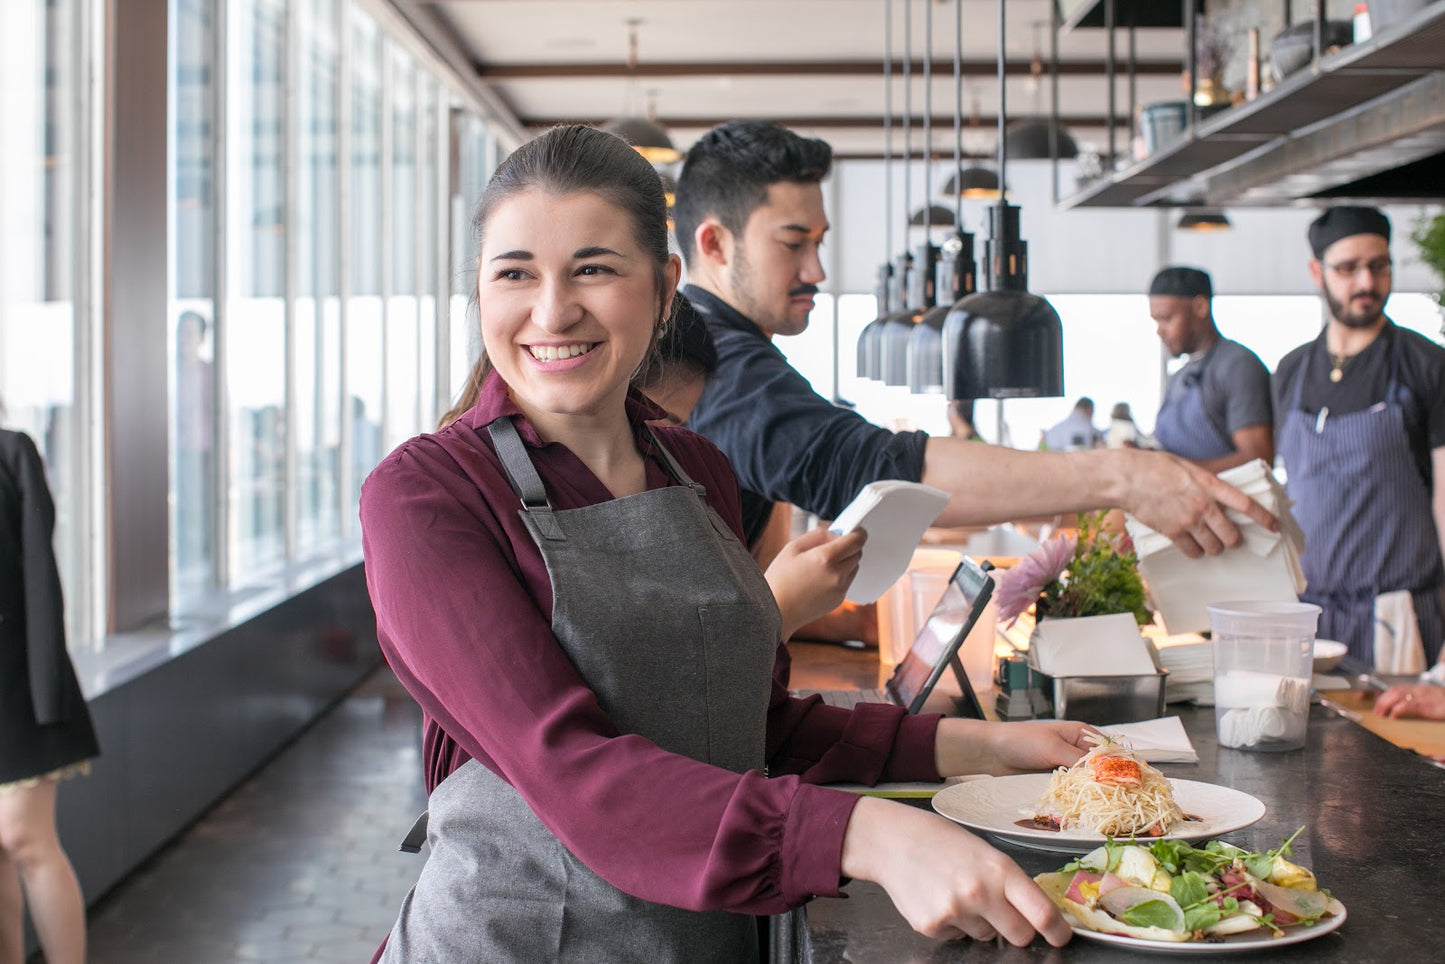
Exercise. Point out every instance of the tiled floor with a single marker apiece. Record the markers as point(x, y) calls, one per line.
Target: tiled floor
point(299, 864)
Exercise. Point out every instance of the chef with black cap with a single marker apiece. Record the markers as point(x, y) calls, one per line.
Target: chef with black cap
point(1360, 423)
point(1216, 409)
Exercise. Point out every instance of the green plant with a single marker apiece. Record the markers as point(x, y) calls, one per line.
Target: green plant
point(1429, 235)
point(1102, 578)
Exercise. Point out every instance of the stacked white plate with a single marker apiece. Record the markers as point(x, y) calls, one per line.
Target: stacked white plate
point(1190, 662)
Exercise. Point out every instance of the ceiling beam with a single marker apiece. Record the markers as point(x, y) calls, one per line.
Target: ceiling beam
point(941, 124)
point(942, 69)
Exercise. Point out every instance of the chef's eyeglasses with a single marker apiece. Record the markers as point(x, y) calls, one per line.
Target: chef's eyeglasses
point(1345, 270)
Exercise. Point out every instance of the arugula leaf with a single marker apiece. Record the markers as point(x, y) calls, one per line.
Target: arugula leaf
point(1150, 913)
point(1201, 917)
point(1171, 854)
point(1259, 865)
point(1188, 889)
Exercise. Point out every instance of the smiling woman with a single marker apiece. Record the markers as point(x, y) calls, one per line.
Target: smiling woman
point(559, 582)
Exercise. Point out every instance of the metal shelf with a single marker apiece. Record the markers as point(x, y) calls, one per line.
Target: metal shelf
point(1360, 75)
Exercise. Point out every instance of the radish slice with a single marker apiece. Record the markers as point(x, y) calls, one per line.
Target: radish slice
point(1124, 899)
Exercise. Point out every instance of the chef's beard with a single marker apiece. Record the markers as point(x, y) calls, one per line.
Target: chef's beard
point(1349, 317)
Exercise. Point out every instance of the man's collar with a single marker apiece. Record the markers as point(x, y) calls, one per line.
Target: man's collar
point(715, 309)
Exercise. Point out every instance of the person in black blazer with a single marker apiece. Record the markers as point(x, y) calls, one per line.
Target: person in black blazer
point(45, 728)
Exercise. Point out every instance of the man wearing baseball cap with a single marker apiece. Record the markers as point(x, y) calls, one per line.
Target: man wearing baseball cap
point(1360, 424)
point(1216, 409)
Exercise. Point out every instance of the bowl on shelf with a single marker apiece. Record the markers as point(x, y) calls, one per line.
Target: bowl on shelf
point(1294, 46)
point(1328, 654)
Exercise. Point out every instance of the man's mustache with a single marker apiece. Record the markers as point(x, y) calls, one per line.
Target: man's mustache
point(801, 290)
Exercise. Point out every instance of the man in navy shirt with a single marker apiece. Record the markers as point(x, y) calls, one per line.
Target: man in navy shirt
point(750, 220)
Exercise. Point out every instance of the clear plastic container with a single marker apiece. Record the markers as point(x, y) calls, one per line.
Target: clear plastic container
point(1263, 661)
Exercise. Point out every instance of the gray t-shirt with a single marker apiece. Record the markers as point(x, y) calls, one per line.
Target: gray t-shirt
point(1235, 386)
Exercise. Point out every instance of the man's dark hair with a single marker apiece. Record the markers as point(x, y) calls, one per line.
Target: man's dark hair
point(727, 173)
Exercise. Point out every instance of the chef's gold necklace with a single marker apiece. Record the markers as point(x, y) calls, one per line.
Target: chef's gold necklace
point(1337, 366)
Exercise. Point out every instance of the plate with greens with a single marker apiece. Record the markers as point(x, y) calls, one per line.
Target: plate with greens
point(1171, 897)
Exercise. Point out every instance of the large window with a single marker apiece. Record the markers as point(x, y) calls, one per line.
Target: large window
point(316, 314)
point(192, 227)
point(473, 153)
point(403, 402)
point(42, 260)
point(364, 358)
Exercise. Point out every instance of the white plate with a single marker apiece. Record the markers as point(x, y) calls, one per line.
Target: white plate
point(1231, 944)
point(996, 806)
point(1328, 654)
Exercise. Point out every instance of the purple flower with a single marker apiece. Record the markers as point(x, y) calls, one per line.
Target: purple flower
point(1016, 589)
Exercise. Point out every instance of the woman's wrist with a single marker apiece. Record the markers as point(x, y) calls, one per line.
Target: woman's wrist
point(963, 746)
point(866, 838)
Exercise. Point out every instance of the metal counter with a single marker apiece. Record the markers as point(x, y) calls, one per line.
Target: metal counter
point(1373, 835)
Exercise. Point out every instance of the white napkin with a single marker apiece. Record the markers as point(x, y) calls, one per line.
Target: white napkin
point(1157, 741)
point(1265, 566)
point(1260, 706)
point(1398, 647)
point(1247, 689)
point(1247, 726)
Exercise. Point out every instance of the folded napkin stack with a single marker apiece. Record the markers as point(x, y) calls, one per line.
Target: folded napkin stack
point(1190, 662)
point(1157, 741)
point(1260, 706)
point(1264, 566)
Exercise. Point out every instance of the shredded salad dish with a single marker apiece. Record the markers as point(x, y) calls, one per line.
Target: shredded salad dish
point(1170, 891)
point(1110, 791)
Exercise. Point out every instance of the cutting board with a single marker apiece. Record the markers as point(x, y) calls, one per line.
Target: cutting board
point(1423, 736)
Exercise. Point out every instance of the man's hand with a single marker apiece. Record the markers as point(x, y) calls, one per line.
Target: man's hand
point(1187, 503)
point(1412, 700)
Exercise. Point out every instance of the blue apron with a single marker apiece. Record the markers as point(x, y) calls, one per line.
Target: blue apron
point(1366, 514)
point(1183, 426)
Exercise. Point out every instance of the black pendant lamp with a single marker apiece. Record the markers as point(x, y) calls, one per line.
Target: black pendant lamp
point(645, 134)
point(932, 216)
point(870, 356)
point(1003, 342)
point(973, 182)
point(897, 326)
point(925, 343)
point(1203, 221)
point(870, 359)
point(1034, 139)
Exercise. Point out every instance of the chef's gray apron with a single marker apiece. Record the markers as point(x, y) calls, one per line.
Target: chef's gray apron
point(1183, 425)
point(669, 621)
point(1366, 515)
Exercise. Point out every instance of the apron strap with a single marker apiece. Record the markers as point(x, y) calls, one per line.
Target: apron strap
point(698, 489)
point(675, 467)
point(523, 477)
point(416, 836)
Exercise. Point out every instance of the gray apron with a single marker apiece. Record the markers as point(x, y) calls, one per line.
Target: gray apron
point(1183, 426)
point(669, 621)
point(1366, 515)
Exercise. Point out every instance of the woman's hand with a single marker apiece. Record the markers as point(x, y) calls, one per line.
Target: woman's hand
point(1412, 700)
point(976, 746)
point(946, 882)
point(811, 574)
